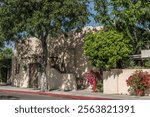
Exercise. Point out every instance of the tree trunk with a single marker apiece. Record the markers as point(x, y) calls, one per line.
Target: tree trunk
point(44, 61)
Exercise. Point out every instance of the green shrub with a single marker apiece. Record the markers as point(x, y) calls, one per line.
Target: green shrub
point(147, 64)
point(100, 86)
point(81, 83)
point(105, 48)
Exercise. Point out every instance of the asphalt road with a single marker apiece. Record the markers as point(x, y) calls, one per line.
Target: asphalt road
point(19, 96)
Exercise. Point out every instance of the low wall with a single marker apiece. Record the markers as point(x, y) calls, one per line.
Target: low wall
point(21, 79)
point(61, 81)
point(56, 80)
point(115, 80)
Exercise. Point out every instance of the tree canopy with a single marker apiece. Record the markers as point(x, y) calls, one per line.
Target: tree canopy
point(132, 17)
point(106, 48)
point(6, 53)
point(41, 18)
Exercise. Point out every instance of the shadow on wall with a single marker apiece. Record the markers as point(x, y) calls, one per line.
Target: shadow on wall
point(30, 47)
point(111, 81)
point(115, 80)
point(61, 81)
point(21, 76)
point(27, 51)
point(112, 73)
point(67, 54)
point(68, 82)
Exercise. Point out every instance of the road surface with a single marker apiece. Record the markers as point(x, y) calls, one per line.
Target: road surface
point(20, 96)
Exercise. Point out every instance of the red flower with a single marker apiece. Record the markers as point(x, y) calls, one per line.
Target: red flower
point(139, 82)
point(140, 92)
point(91, 79)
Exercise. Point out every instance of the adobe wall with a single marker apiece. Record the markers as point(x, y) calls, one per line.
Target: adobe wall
point(19, 77)
point(61, 81)
point(67, 53)
point(27, 51)
point(28, 48)
point(68, 49)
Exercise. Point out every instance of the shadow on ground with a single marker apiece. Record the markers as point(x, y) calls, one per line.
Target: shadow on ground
point(4, 97)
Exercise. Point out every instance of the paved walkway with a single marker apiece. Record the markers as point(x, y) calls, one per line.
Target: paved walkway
point(79, 94)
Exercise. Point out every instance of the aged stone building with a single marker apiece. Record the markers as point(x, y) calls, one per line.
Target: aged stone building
point(66, 61)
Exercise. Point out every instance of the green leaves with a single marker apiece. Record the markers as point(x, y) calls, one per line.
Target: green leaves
point(6, 53)
point(131, 17)
point(105, 48)
point(5, 58)
point(103, 15)
point(37, 17)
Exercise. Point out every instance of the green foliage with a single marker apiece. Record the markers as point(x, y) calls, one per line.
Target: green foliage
point(106, 48)
point(81, 83)
point(147, 63)
point(132, 17)
point(41, 17)
point(130, 63)
point(100, 86)
point(102, 7)
point(5, 58)
point(5, 62)
point(6, 53)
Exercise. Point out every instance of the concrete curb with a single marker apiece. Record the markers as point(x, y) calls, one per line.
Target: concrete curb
point(56, 95)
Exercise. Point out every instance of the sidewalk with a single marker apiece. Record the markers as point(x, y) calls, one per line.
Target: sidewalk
point(79, 94)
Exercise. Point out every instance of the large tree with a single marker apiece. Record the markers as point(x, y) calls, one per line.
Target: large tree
point(132, 17)
point(41, 18)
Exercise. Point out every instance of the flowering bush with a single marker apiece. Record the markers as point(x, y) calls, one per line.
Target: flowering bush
point(139, 82)
point(91, 79)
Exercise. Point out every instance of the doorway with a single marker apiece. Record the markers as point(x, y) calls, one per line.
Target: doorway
point(33, 75)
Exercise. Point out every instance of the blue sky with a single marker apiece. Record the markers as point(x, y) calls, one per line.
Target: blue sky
point(92, 21)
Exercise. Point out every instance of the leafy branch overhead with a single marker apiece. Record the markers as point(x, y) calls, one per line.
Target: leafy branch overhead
point(21, 19)
point(39, 17)
point(132, 17)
